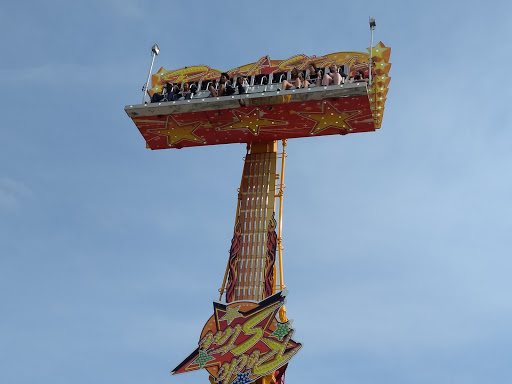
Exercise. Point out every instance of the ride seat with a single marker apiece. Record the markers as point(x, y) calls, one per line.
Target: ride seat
point(277, 77)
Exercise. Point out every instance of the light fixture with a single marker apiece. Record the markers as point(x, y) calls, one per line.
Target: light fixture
point(155, 51)
point(372, 27)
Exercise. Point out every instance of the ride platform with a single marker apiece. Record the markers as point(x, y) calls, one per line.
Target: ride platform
point(266, 112)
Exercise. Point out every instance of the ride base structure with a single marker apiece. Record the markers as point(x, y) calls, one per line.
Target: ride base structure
point(248, 338)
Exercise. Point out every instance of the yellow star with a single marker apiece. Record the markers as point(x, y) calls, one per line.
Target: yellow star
point(329, 117)
point(176, 132)
point(381, 52)
point(231, 314)
point(252, 121)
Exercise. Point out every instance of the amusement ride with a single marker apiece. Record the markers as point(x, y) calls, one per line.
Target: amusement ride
point(248, 338)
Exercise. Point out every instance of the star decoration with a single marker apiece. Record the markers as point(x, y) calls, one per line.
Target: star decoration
point(231, 314)
point(248, 339)
point(145, 126)
point(381, 52)
point(329, 117)
point(282, 330)
point(251, 121)
point(242, 378)
point(176, 132)
point(202, 359)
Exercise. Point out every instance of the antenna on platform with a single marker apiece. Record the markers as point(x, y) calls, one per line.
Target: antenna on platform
point(154, 52)
point(372, 27)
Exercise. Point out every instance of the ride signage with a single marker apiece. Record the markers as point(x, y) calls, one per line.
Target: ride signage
point(243, 341)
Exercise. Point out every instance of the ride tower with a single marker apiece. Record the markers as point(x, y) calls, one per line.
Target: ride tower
point(248, 338)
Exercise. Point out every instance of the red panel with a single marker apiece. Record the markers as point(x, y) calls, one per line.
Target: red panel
point(258, 123)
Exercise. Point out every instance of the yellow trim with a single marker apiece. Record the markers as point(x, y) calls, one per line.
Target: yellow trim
point(280, 218)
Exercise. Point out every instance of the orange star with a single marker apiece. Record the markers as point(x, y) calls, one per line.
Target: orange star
point(329, 117)
point(252, 121)
point(176, 132)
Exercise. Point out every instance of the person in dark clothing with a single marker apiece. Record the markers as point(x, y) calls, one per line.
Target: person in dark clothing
point(164, 95)
point(314, 76)
point(225, 87)
point(360, 76)
point(242, 84)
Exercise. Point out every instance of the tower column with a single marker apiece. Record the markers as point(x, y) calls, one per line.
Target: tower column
point(249, 266)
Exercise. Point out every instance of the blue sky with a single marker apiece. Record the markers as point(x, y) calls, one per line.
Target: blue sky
point(111, 254)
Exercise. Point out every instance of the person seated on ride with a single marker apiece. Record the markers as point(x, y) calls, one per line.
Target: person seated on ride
point(225, 87)
point(242, 84)
point(186, 93)
point(164, 95)
point(360, 76)
point(374, 71)
point(193, 88)
point(175, 93)
point(341, 71)
point(333, 77)
point(302, 80)
point(314, 76)
point(294, 80)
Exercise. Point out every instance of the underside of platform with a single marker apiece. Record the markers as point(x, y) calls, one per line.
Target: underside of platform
point(255, 117)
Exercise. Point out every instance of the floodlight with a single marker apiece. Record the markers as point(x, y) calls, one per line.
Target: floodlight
point(372, 27)
point(155, 51)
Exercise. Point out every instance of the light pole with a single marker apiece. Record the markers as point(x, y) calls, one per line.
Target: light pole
point(372, 27)
point(155, 51)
